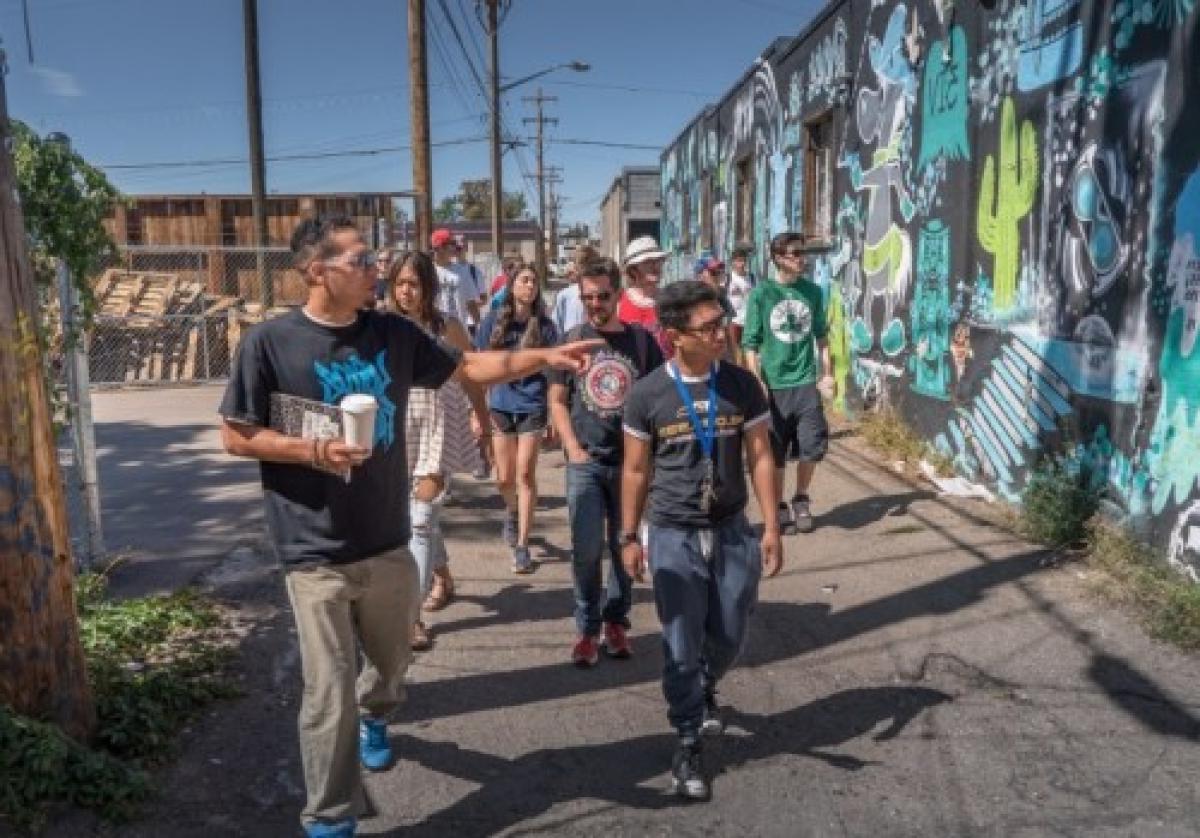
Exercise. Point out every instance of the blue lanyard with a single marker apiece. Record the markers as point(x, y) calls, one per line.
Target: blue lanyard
point(705, 436)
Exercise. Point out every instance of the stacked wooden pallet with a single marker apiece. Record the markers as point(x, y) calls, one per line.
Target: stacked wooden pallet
point(151, 327)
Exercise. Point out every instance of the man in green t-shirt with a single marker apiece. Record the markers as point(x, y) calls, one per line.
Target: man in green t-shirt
point(785, 332)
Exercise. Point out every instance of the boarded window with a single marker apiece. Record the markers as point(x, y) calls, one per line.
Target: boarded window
point(744, 228)
point(817, 216)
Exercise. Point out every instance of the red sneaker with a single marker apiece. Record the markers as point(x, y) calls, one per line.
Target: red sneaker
point(616, 643)
point(586, 653)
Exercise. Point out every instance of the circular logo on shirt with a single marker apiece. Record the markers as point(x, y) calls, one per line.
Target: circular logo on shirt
point(606, 384)
point(791, 320)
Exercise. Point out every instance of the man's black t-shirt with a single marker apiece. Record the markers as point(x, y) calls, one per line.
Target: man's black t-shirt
point(598, 396)
point(654, 412)
point(313, 515)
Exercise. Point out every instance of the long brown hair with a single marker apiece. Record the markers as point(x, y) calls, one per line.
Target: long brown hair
point(427, 278)
point(508, 311)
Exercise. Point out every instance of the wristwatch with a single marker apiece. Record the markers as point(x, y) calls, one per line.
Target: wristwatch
point(628, 538)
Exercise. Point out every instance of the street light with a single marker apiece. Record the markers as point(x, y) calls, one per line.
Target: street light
point(577, 66)
point(497, 89)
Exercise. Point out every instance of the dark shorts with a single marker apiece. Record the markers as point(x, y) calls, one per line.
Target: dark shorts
point(798, 427)
point(518, 424)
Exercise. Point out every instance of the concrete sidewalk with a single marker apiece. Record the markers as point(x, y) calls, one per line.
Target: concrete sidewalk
point(174, 504)
point(913, 671)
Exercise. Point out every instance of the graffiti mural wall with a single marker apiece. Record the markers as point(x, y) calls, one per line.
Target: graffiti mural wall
point(1005, 200)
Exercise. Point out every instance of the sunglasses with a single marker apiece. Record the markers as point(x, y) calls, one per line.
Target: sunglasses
point(362, 260)
point(794, 252)
point(710, 329)
point(599, 296)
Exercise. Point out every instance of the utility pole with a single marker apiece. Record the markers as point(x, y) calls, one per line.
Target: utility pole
point(541, 119)
point(553, 177)
point(258, 182)
point(42, 670)
point(493, 31)
point(418, 71)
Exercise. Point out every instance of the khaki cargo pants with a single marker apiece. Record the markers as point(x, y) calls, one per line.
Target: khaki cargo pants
point(370, 603)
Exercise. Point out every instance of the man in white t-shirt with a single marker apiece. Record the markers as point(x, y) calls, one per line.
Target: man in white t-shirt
point(450, 299)
point(470, 284)
point(741, 281)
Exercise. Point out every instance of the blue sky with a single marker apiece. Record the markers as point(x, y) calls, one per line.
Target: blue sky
point(160, 81)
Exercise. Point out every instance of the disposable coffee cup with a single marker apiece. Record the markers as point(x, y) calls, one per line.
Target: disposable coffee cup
point(358, 420)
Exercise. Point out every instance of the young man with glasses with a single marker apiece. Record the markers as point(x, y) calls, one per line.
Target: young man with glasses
point(338, 513)
point(586, 410)
point(689, 426)
point(785, 332)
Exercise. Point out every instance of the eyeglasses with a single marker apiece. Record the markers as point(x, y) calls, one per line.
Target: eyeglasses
point(710, 329)
point(599, 296)
point(362, 260)
point(793, 252)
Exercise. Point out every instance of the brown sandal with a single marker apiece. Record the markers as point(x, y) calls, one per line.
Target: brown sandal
point(420, 640)
point(440, 592)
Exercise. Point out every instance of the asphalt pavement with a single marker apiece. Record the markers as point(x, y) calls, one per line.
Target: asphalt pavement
point(914, 670)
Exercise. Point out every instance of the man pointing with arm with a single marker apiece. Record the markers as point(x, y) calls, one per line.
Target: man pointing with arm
point(350, 577)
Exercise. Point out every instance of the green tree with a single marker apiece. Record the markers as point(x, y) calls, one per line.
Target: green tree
point(450, 209)
point(65, 201)
point(475, 200)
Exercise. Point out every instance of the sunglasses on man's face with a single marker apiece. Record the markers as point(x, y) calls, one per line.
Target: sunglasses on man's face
point(362, 260)
point(794, 252)
point(597, 297)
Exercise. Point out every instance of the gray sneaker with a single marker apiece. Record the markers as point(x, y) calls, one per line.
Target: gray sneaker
point(802, 514)
point(509, 531)
point(522, 561)
point(787, 524)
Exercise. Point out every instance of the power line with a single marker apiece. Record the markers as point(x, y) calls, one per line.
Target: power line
point(317, 155)
point(630, 89)
point(605, 144)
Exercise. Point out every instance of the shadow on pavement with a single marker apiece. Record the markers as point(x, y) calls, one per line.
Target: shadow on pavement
point(779, 631)
point(866, 511)
point(628, 772)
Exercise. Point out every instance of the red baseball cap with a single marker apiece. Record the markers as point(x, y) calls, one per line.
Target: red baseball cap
point(440, 238)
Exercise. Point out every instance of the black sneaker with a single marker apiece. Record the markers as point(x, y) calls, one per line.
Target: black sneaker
point(802, 514)
point(712, 724)
point(687, 771)
point(787, 524)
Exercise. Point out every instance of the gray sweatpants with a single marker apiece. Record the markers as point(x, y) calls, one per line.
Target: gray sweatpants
point(704, 606)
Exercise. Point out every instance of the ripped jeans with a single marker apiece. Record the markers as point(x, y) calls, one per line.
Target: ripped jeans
point(426, 542)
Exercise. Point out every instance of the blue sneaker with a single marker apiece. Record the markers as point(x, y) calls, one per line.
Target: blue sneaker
point(330, 829)
point(374, 749)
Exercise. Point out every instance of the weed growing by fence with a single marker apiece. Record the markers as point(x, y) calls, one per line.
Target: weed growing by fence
point(154, 663)
point(888, 433)
point(1166, 603)
point(1057, 504)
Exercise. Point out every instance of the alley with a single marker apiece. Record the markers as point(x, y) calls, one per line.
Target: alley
point(913, 671)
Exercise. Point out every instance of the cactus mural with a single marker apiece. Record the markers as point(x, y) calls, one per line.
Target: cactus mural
point(1006, 196)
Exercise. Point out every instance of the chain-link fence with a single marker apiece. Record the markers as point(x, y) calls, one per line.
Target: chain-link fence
point(170, 315)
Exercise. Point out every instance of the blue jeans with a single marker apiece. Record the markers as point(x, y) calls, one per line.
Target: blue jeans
point(594, 499)
point(704, 606)
point(426, 542)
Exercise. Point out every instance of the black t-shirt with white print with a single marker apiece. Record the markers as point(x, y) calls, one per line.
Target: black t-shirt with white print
point(598, 396)
point(315, 516)
point(654, 412)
